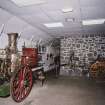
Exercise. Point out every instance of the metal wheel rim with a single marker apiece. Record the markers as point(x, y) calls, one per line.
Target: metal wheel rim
point(21, 84)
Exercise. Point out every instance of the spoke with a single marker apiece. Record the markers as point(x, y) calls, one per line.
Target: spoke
point(20, 73)
point(23, 94)
point(26, 71)
point(16, 83)
point(17, 89)
point(17, 95)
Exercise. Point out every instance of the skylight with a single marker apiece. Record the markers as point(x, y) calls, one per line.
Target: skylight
point(93, 22)
point(21, 3)
point(52, 25)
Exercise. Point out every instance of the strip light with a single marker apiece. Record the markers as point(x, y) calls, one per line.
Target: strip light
point(66, 10)
point(52, 25)
point(93, 22)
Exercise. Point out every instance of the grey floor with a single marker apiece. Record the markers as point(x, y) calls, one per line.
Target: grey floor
point(63, 91)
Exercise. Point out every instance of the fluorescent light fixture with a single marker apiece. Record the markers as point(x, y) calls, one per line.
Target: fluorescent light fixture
point(52, 25)
point(21, 3)
point(93, 22)
point(66, 10)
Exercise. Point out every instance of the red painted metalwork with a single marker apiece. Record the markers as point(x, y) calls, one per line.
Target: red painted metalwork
point(31, 54)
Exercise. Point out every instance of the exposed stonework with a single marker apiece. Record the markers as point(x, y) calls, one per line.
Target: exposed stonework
point(86, 48)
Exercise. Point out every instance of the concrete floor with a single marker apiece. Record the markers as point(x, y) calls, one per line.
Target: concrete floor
point(63, 91)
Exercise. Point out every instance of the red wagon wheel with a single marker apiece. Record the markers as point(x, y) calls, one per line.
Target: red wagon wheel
point(21, 84)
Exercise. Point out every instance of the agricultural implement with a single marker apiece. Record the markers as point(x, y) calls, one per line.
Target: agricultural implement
point(97, 69)
point(16, 72)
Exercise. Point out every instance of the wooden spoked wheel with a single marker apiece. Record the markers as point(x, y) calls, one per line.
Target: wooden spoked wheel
point(21, 84)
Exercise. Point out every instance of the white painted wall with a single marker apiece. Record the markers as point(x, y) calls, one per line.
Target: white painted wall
point(16, 25)
point(20, 42)
point(3, 41)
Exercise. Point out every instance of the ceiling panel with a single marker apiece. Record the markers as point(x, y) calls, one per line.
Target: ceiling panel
point(59, 16)
point(53, 5)
point(94, 28)
point(31, 10)
point(15, 25)
point(93, 12)
point(35, 16)
point(72, 24)
point(4, 16)
point(33, 32)
point(39, 27)
point(64, 30)
point(26, 30)
point(89, 3)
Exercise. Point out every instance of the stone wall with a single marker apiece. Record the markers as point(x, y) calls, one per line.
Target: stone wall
point(84, 48)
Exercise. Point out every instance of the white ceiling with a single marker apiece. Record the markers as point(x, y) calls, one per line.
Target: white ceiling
point(29, 20)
